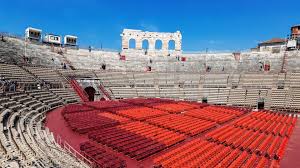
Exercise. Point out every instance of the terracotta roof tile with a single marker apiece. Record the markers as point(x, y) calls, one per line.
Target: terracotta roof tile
point(274, 40)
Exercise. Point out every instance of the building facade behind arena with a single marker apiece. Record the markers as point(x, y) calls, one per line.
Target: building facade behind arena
point(61, 104)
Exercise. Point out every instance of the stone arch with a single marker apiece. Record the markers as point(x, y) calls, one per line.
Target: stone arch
point(178, 45)
point(158, 44)
point(145, 44)
point(163, 38)
point(171, 45)
point(90, 91)
point(132, 43)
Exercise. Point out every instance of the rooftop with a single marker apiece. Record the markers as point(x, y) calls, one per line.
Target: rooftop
point(274, 40)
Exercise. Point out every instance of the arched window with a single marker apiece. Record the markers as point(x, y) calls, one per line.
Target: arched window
point(158, 44)
point(145, 44)
point(132, 43)
point(171, 45)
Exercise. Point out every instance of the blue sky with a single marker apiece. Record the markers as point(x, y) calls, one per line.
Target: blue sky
point(217, 24)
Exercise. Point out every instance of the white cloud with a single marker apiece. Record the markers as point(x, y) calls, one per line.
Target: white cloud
point(149, 27)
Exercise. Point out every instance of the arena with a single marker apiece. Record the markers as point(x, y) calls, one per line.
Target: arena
point(146, 107)
point(148, 104)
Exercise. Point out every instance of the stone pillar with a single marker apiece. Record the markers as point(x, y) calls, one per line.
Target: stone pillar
point(178, 45)
point(151, 44)
point(138, 43)
point(125, 42)
point(165, 44)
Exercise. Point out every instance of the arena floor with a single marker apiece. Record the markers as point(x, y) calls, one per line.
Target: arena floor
point(60, 127)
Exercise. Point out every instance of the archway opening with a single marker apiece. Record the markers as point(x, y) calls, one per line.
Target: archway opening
point(90, 92)
point(132, 43)
point(171, 45)
point(261, 103)
point(204, 100)
point(145, 44)
point(158, 44)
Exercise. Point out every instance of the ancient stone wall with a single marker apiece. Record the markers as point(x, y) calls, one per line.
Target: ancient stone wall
point(151, 41)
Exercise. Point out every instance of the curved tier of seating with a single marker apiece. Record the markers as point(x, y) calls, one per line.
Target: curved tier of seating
point(24, 140)
point(279, 91)
point(12, 50)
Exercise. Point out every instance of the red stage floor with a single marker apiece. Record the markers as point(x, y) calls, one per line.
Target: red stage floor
point(56, 124)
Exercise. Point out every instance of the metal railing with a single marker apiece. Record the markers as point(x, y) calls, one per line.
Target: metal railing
point(67, 147)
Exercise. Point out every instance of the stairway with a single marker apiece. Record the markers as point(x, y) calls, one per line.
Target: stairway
point(104, 91)
point(61, 55)
point(68, 62)
point(81, 93)
point(284, 62)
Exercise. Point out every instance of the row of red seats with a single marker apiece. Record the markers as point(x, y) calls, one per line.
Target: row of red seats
point(136, 139)
point(275, 116)
point(211, 115)
point(268, 127)
point(185, 147)
point(101, 157)
point(159, 134)
point(120, 108)
point(174, 107)
point(75, 108)
point(201, 153)
point(92, 120)
point(193, 104)
point(255, 142)
point(141, 113)
point(100, 105)
point(145, 101)
point(183, 124)
point(133, 145)
point(81, 93)
point(151, 105)
point(114, 117)
point(150, 102)
point(227, 110)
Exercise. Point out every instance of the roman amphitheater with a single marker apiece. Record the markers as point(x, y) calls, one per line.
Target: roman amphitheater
point(148, 105)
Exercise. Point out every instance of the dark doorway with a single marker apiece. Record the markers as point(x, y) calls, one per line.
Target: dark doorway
point(204, 99)
point(90, 92)
point(260, 104)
